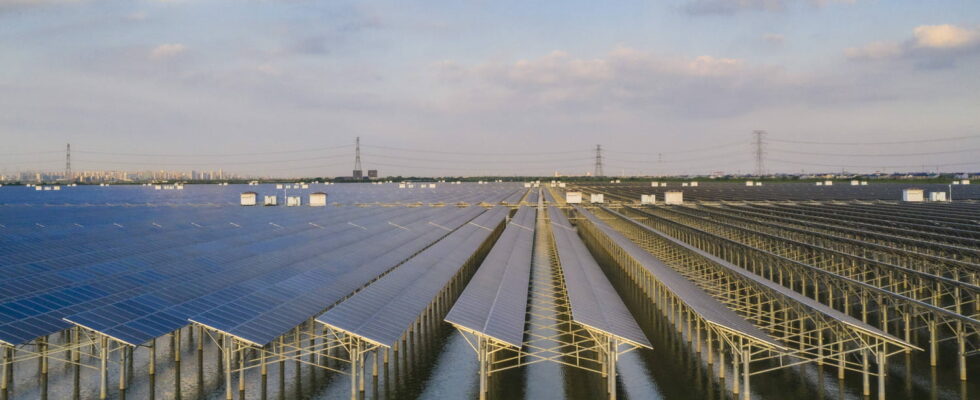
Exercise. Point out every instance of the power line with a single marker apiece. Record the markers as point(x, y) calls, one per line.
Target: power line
point(878, 155)
point(693, 150)
point(310, 150)
point(204, 163)
point(874, 166)
point(471, 161)
point(661, 160)
point(946, 139)
point(475, 154)
point(30, 153)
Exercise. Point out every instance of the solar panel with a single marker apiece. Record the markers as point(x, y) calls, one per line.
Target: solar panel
point(269, 313)
point(175, 301)
point(211, 195)
point(700, 302)
point(383, 311)
point(495, 299)
point(783, 291)
point(87, 287)
point(593, 300)
point(532, 196)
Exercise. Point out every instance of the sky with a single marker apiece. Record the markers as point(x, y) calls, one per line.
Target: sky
point(283, 87)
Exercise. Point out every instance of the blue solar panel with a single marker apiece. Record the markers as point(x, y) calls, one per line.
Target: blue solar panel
point(173, 302)
point(703, 304)
point(115, 280)
point(495, 300)
point(593, 300)
point(273, 311)
point(383, 311)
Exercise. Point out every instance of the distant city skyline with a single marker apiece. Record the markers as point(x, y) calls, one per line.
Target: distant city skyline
point(282, 88)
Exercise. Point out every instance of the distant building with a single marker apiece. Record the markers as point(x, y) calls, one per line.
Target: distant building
point(372, 173)
point(358, 174)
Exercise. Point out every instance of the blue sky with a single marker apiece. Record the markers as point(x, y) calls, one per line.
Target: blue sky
point(652, 81)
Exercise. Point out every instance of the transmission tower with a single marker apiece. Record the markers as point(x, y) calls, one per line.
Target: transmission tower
point(358, 172)
point(598, 161)
point(760, 165)
point(68, 176)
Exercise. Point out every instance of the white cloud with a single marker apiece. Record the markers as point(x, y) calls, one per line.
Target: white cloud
point(136, 16)
point(933, 45)
point(167, 51)
point(624, 78)
point(729, 7)
point(774, 38)
point(945, 36)
point(268, 70)
point(874, 51)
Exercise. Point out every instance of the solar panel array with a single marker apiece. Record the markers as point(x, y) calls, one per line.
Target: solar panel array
point(782, 291)
point(515, 197)
point(167, 305)
point(548, 197)
point(700, 302)
point(593, 300)
point(182, 253)
point(141, 270)
point(532, 196)
point(212, 194)
point(712, 191)
point(495, 300)
point(265, 314)
point(383, 311)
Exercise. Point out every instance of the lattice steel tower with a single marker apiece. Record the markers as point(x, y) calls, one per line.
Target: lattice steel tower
point(358, 172)
point(760, 165)
point(68, 176)
point(598, 161)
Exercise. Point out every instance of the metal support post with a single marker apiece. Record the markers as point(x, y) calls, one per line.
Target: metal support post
point(226, 352)
point(103, 364)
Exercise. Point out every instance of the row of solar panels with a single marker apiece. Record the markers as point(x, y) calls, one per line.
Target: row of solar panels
point(257, 282)
point(963, 240)
point(348, 193)
point(383, 311)
point(709, 308)
point(885, 216)
point(707, 191)
point(494, 303)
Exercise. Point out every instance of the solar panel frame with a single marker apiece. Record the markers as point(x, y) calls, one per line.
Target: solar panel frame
point(593, 301)
point(383, 311)
point(708, 308)
point(494, 302)
point(320, 290)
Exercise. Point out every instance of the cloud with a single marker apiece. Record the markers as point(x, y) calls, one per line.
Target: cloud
point(874, 51)
point(623, 79)
point(774, 38)
point(945, 36)
point(168, 50)
point(730, 7)
point(929, 46)
point(136, 16)
point(268, 70)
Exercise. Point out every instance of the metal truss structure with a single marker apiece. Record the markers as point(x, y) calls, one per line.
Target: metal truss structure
point(810, 335)
point(550, 335)
point(900, 299)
